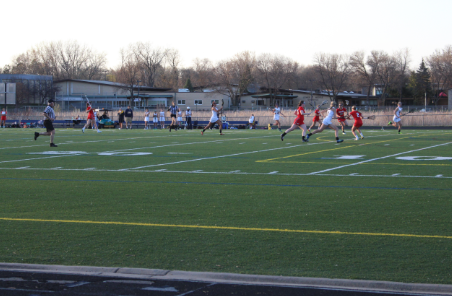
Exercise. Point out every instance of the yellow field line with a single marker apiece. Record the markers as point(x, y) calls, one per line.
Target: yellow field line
point(312, 152)
point(230, 228)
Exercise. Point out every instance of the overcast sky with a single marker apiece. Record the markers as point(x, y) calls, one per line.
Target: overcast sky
point(219, 29)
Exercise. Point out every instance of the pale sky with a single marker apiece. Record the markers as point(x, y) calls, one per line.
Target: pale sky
point(219, 29)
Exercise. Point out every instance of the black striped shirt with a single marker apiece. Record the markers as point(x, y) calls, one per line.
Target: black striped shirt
point(173, 109)
point(49, 111)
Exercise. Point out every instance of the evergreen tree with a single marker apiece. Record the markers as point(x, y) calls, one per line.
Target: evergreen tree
point(420, 84)
point(188, 85)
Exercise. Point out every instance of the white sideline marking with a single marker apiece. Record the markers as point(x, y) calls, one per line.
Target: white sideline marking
point(232, 172)
point(37, 158)
point(238, 173)
point(221, 156)
point(25, 167)
point(369, 160)
point(353, 174)
point(271, 173)
point(395, 175)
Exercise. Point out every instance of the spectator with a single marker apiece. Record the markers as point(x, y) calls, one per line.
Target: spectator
point(76, 121)
point(129, 116)
point(251, 121)
point(120, 117)
point(3, 118)
point(188, 118)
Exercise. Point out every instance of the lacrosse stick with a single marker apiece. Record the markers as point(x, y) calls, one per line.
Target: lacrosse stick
point(371, 117)
point(411, 111)
point(324, 103)
point(346, 102)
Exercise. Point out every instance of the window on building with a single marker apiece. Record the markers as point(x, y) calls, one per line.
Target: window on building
point(181, 102)
point(216, 101)
point(260, 102)
point(198, 102)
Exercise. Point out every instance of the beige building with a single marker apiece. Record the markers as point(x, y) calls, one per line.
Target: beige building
point(113, 95)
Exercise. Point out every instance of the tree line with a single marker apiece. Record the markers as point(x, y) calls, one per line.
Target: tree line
point(145, 64)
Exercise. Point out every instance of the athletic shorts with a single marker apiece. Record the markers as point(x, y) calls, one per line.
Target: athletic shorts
point(341, 119)
point(173, 115)
point(3, 118)
point(121, 119)
point(326, 122)
point(276, 117)
point(129, 119)
point(316, 119)
point(146, 119)
point(179, 119)
point(358, 124)
point(213, 119)
point(162, 118)
point(298, 121)
point(155, 120)
point(48, 125)
point(396, 119)
point(90, 117)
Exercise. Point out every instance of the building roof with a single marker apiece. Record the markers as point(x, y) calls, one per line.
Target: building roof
point(116, 84)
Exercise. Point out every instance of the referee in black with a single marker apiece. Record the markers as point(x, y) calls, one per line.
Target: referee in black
point(173, 109)
point(49, 115)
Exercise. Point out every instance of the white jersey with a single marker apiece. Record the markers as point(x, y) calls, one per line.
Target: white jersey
point(276, 112)
point(188, 113)
point(179, 115)
point(329, 117)
point(214, 117)
point(396, 117)
point(146, 116)
point(251, 119)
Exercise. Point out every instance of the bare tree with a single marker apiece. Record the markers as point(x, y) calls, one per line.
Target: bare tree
point(128, 73)
point(365, 75)
point(151, 60)
point(440, 63)
point(385, 68)
point(334, 71)
point(402, 60)
point(232, 77)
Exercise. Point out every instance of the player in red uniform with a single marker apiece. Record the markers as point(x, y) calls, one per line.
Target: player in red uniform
point(341, 112)
point(3, 118)
point(358, 122)
point(298, 122)
point(316, 118)
point(90, 120)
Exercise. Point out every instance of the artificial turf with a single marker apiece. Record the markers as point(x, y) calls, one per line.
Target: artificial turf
point(245, 202)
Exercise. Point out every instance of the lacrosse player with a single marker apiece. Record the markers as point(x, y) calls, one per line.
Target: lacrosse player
point(327, 122)
point(298, 122)
point(397, 120)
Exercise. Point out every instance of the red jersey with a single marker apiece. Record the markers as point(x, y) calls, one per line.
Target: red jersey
point(358, 118)
point(300, 117)
point(341, 114)
point(4, 115)
point(90, 113)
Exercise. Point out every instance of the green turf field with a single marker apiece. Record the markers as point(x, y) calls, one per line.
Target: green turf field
point(378, 208)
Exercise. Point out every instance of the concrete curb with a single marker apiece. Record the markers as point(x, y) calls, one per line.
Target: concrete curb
point(231, 278)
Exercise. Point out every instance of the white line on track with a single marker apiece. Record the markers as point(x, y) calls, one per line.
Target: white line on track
point(378, 158)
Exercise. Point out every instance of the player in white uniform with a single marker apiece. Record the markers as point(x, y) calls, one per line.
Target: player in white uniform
point(214, 119)
point(162, 119)
point(397, 120)
point(155, 119)
point(277, 112)
point(327, 122)
point(179, 118)
point(146, 118)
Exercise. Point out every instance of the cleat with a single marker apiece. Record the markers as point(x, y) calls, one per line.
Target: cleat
point(36, 135)
point(362, 138)
point(343, 133)
point(356, 139)
point(202, 133)
point(221, 134)
point(389, 123)
point(282, 138)
point(99, 131)
point(339, 141)
point(53, 145)
point(305, 140)
point(307, 137)
point(83, 129)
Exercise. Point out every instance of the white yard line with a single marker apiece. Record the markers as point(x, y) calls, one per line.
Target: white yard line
point(229, 173)
point(378, 158)
point(37, 158)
